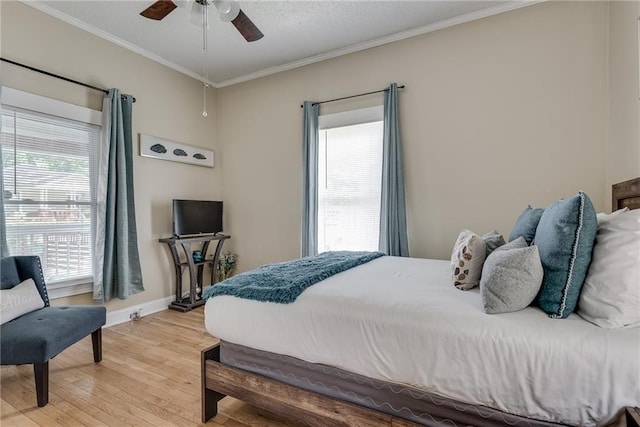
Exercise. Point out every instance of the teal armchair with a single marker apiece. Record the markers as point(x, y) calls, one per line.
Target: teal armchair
point(38, 336)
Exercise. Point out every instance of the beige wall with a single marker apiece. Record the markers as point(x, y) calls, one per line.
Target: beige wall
point(496, 114)
point(623, 154)
point(168, 105)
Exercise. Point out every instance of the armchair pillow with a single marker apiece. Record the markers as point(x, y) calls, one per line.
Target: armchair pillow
point(21, 299)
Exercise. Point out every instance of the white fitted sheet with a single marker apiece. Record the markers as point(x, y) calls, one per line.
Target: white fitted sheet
point(401, 320)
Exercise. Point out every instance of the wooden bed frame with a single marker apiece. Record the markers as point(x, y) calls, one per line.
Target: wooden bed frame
point(626, 195)
point(315, 409)
point(310, 408)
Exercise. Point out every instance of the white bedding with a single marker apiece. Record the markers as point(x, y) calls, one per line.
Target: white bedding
point(401, 320)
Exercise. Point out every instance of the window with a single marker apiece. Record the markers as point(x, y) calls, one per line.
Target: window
point(350, 180)
point(49, 166)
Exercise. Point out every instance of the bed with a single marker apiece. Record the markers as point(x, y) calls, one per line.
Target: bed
point(363, 354)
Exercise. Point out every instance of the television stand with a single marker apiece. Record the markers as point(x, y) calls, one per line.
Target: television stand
point(196, 269)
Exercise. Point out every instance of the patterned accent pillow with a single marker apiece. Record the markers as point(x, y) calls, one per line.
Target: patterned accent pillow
point(467, 259)
point(526, 224)
point(565, 237)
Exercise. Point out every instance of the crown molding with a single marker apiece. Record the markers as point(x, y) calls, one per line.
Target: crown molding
point(383, 40)
point(113, 39)
point(468, 17)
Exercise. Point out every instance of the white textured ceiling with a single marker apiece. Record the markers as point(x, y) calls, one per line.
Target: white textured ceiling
point(295, 32)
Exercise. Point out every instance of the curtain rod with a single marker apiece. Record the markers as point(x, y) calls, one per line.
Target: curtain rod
point(352, 96)
point(37, 70)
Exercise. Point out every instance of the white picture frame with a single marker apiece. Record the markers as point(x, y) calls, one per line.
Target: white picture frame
point(164, 149)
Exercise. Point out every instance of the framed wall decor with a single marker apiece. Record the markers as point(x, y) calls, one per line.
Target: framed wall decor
point(164, 149)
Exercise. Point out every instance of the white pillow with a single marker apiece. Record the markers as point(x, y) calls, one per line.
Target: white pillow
point(467, 259)
point(605, 216)
point(610, 295)
point(21, 299)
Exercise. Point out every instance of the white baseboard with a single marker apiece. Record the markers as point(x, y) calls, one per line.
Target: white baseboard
point(120, 316)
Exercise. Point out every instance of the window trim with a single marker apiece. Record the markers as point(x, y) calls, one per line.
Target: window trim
point(28, 101)
point(40, 104)
point(69, 288)
point(351, 117)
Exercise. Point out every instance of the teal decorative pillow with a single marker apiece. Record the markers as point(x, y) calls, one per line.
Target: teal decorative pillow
point(526, 224)
point(565, 237)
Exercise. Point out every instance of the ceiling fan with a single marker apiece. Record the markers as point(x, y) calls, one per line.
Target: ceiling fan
point(228, 10)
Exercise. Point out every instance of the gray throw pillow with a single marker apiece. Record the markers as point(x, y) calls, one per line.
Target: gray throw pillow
point(493, 240)
point(511, 279)
point(518, 243)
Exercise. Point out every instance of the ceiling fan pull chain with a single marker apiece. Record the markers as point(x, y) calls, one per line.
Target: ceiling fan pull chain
point(205, 24)
point(204, 88)
point(205, 85)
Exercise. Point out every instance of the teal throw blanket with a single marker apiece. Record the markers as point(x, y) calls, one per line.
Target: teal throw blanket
point(285, 281)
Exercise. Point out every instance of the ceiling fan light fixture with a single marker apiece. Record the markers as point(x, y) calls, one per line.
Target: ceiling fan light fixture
point(195, 13)
point(227, 10)
point(198, 14)
point(183, 4)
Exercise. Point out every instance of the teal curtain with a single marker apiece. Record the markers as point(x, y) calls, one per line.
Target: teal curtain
point(4, 247)
point(309, 234)
point(117, 271)
point(393, 215)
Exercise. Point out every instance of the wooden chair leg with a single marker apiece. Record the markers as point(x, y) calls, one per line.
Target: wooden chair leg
point(96, 339)
point(41, 374)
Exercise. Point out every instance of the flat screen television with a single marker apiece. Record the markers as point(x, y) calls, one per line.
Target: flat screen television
point(196, 217)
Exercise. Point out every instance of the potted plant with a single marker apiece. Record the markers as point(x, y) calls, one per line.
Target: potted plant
point(226, 265)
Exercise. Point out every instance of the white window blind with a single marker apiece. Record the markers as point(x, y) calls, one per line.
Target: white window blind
point(349, 187)
point(49, 165)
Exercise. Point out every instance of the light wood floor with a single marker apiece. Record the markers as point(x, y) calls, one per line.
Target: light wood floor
point(149, 376)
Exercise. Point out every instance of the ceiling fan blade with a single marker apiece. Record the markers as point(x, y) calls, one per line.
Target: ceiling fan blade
point(247, 28)
point(159, 10)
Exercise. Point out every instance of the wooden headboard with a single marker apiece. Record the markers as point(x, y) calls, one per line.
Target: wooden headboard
point(626, 195)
